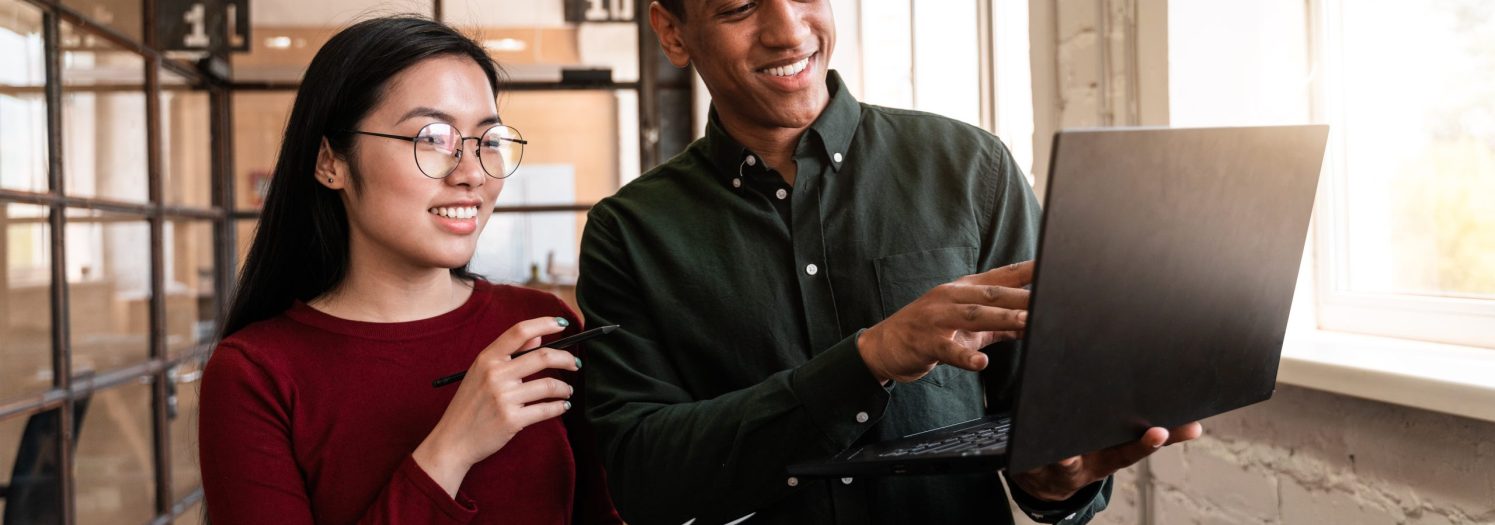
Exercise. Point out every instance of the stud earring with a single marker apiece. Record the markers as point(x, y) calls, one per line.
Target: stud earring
point(329, 180)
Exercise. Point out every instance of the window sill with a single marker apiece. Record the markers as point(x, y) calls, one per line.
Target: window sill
point(1445, 378)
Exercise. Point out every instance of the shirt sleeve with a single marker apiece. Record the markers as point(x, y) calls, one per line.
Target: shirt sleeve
point(670, 457)
point(250, 475)
point(1012, 228)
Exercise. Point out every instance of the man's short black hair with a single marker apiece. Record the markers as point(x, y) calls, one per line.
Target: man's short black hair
point(675, 7)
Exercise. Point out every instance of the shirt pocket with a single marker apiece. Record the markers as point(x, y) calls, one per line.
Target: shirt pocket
point(903, 277)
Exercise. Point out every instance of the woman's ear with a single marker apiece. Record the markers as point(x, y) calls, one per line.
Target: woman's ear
point(332, 170)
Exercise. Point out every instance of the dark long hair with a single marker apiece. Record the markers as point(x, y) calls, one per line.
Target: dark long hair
point(300, 249)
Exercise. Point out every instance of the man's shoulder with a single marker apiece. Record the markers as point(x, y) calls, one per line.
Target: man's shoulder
point(662, 186)
point(915, 125)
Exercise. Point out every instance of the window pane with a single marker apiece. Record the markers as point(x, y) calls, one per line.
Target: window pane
point(534, 42)
point(113, 464)
point(185, 476)
point(947, 60)
point(285, 35)
point(23, 106)
point(187, 157)
point(574, 146)
point(259, 123)
point(29, 466)
point(120, 15)
point(192, 516)
point(244, 230)
point(1419, 159)
point(103, 107)
point(538, 250)
point(190, 299)
point(108, 272)
point(25, 301)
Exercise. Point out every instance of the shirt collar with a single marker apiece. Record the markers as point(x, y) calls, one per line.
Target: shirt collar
point(834, 128)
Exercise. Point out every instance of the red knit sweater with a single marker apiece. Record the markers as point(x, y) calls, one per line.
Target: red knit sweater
point(308, 418)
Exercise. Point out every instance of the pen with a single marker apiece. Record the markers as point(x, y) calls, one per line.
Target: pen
point(562, 343)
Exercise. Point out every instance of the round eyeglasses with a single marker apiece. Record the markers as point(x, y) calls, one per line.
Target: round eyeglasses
point(439, 147)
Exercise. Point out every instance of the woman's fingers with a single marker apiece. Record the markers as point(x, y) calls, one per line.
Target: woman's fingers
point(515, 338)
point(545, 358)
point(538, 412)
point(538, 390)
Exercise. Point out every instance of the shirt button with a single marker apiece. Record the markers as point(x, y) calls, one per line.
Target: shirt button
point(793, 481)
point(837, 158)
point(812, 269)
point(737, 182)
point(752, 161)
point(781, 194)
point(845, 481)
point(862, 417)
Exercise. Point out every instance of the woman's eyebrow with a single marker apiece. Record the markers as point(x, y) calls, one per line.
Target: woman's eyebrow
point(423, 111)
point(443, 116)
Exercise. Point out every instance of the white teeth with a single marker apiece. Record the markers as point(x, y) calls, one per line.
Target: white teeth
point(789, 70)
point(465, 212)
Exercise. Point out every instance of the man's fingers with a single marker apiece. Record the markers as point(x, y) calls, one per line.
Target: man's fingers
point(1012, 276)
point(959, 356)
point(978, 318)
point(1106, 462)
point(514, 338)
point(1184, 433)
point(998, 296)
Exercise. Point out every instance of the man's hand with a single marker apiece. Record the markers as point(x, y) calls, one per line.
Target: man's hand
point(949, 324)
point(1059, 481)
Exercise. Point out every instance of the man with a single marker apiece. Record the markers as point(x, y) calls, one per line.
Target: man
point(807, 277)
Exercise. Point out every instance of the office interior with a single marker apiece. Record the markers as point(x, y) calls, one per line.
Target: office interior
point(133, 165)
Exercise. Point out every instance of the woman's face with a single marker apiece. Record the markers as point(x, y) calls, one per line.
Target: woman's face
point(399, 214)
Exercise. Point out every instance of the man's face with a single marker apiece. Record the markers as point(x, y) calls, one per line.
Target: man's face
point(763, 61)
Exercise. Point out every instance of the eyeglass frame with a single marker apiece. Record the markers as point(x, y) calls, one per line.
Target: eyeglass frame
point(457, 152)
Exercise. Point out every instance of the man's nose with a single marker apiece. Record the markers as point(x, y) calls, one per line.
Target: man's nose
point(782, 24)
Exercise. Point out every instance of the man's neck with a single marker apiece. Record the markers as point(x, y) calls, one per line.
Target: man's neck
point(774, 144)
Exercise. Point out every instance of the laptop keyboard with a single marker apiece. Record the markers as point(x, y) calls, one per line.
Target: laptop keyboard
point(989, 435)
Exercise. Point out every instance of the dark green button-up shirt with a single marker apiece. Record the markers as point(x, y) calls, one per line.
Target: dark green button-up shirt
point(740, 299)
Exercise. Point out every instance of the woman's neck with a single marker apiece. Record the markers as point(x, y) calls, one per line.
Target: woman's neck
point(382, 290)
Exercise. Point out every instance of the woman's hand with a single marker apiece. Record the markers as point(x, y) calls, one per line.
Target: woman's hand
point(494, 402)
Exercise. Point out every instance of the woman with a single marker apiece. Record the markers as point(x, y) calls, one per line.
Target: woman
point(318, 407)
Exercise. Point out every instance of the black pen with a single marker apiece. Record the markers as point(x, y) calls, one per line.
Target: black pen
point(562, 343)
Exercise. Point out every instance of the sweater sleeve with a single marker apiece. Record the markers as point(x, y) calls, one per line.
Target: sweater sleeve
point(249, 471)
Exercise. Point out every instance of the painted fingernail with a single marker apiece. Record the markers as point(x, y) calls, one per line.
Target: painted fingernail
point(578, 362)
point(566, 404)
point(562, 321)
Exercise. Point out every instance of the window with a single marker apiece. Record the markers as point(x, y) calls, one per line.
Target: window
point(1403, 243)
point(110, 284)
point(1407, 224)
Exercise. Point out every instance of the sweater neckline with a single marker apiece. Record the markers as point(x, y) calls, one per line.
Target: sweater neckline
point(482, 292)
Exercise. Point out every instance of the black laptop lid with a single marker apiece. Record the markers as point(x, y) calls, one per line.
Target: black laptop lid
point(1166, 268)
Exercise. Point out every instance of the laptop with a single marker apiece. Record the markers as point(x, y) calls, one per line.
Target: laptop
point(1166, 266)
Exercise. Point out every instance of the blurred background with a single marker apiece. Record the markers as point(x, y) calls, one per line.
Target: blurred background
point(137, 138)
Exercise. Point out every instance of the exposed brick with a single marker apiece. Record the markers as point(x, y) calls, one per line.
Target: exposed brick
point(1301, 505)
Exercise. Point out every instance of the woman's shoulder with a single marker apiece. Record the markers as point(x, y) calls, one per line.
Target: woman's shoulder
point(529, 302)
point(519, 296)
